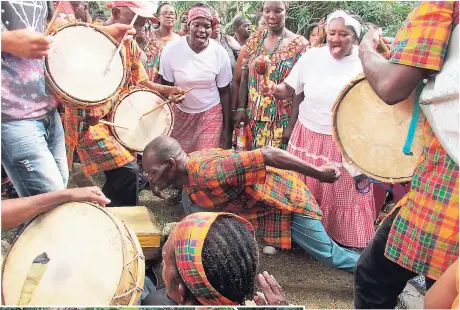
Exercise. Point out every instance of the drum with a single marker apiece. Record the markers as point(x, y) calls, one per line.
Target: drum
point(144, 225)
point(128, 112)
point(371, 134)
point(76, 67)
point(95, 259)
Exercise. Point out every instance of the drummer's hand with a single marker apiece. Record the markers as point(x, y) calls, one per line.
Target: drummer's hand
point(328, 173)
point(25, 43)
point(117, 31)
point(176, 95)
point(93, 117)
point(267, 90)
point(371, 41)
point(91, 194)
point(272, 295)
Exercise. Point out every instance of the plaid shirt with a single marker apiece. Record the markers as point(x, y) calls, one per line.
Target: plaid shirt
point(240, 183)
point(97, 147)
point(424, 235)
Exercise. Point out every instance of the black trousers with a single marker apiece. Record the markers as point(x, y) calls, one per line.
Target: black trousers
point(122, 185)
point(378, 280)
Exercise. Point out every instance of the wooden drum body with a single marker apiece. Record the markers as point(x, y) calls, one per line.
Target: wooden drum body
point(371, 134)
point(76, 67)
point(128, 111)
point(95, 259)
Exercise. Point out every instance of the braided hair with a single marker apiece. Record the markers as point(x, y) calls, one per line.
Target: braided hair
point(230, 259)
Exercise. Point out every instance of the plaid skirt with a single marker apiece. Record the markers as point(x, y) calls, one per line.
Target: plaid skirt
point(348, 216)
point(198, 131)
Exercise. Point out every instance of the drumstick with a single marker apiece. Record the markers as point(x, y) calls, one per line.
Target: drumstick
point(165, 102)
point(53, 20)
point(121, 44)
point(33, 278)
point(267, 74)
point(383, 46)
point(112, 124)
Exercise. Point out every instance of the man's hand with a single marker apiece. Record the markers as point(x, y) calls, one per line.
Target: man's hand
point(272, 295)
point(90, 194)
point(93, 117)
point(25, 43)
point(176, 95)
point(328, 174)
point(240, 117)
point(117, 31)
point(371, 41)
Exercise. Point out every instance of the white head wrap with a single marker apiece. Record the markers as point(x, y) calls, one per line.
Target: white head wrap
point(349, 21)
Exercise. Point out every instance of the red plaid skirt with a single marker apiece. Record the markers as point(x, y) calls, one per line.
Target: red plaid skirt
point(348, 216)
point(198, 131)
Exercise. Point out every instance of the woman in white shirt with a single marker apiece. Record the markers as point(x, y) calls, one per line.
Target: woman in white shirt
point(321, 73)
point(202, 119)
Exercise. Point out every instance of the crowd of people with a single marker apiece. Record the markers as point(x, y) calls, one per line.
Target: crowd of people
point(283, 186)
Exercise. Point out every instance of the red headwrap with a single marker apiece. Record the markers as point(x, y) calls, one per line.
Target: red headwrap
point(200, 12)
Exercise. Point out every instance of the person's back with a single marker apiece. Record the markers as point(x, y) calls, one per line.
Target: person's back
point(215, 180)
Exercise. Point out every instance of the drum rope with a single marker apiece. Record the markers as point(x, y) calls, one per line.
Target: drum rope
point(137, 289)
point(138, 256)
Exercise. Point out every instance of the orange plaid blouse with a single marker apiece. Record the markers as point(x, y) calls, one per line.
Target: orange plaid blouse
point(96, 146)
point(240, 183)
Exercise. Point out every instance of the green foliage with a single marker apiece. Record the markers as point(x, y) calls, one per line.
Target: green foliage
point(386, 14)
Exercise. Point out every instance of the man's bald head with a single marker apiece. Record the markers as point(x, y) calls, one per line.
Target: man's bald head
point(162, 148)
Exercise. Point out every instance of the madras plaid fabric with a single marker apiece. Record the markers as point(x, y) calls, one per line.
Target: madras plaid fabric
point(97, 148)
point(188, 244)
point(422, 41)
point(240, 183)
point(424, 236)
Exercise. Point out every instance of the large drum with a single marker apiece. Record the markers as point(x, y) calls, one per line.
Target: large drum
point(371, 134)
point(128, 112)
point(95, 259)
point(76, 67)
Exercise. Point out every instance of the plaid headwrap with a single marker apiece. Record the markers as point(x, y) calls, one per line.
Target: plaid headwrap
point(201, 12)
point(188, 243)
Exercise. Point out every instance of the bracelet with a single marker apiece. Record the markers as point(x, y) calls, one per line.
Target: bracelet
point(241, 110)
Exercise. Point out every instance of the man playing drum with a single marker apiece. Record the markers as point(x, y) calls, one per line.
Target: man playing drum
point(252, 185)
point(96, 146)
point(33, 150)
point(421, 235)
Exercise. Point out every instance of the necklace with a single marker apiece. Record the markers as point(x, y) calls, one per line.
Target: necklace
point(261, 43)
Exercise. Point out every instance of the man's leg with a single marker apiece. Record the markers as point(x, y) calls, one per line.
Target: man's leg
point(28, 160)
point(379, 281)
point(56, 145)
point(122, 185)
point(310, 235)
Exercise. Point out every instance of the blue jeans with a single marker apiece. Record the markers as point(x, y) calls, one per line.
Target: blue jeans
point(34, 156)
point(310, 235)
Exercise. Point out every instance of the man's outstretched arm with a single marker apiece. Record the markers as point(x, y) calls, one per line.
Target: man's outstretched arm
point(277, 158)
point(20, 210)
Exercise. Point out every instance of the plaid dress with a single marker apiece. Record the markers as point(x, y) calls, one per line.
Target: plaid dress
point(424, 235)
point(240, 183)
point(269, 116)
point(96, 146)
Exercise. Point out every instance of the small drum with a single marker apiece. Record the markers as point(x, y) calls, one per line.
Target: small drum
point(95, 259)
point(371, 134)
point(128, 111)
point(76, 67)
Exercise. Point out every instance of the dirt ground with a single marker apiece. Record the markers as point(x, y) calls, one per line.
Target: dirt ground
point(305, 281)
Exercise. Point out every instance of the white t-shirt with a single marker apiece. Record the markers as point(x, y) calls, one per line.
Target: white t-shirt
point(321, 78)
point(206, 71)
